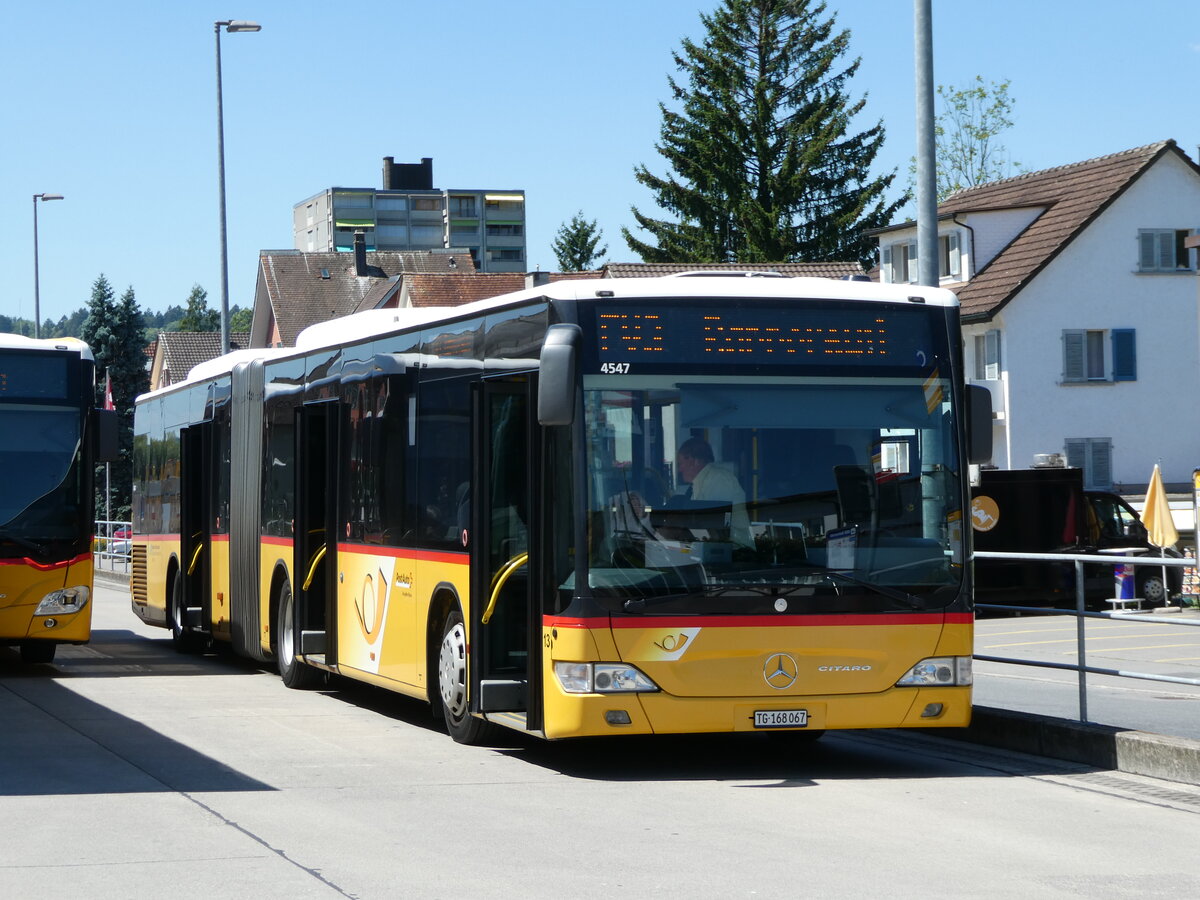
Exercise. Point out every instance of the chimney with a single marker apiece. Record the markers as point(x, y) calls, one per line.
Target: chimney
point(360, 253)
point(408, 176)
point(536, 279)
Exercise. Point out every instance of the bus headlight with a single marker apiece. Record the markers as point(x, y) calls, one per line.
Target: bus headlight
point(938, 671)
point(601, 678)
point(63, 603)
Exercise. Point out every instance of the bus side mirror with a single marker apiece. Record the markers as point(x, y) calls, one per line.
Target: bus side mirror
point(559, 370)
point(979, 424)
point(105, 435)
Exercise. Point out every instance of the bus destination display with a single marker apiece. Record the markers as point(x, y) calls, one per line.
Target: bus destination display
point(32, 376)
point(800, 335)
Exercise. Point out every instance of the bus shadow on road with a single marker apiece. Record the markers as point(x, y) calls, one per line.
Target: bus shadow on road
point(117, 653)
point(57, 742)
point(779, 760)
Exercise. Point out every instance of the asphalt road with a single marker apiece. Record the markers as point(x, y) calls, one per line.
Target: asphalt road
point(1163, 647)
point(129, 771)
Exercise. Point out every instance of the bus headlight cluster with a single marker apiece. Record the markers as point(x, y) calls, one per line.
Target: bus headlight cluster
point(938, 671)
point(63, 603)
point(601, 678)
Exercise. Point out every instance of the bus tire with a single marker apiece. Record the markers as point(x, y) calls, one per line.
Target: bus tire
point(294, 673)
point(37, 652)
point(452, 684)
point(182, 638)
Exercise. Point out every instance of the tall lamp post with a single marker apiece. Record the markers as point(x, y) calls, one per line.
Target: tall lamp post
point(233, 27)
point(37, 299)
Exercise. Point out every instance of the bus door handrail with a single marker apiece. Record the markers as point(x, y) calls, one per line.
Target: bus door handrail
point(195, 557)
point(506, 572)
point(312, 567)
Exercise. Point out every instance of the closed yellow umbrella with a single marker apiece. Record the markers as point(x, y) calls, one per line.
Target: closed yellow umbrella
point(1160, 527)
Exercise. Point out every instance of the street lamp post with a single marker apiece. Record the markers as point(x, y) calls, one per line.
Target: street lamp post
point(37, 300)
point(233, 27)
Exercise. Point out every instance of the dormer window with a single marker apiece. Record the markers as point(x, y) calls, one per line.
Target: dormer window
point(900, 260)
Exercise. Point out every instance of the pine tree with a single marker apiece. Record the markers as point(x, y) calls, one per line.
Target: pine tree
point(763, 167)
point(114, 331)
point(575, 245)
point(99, 327)
point(198, 316)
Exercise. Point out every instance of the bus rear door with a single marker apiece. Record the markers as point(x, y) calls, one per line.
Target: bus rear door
point(316, 536)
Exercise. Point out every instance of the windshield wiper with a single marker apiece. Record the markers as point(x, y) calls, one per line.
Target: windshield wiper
point(899, 596)
point(638, 604)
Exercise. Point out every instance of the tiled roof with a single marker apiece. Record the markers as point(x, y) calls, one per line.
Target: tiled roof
point(181, 350)
point(305, 288)
point(1073, 196)
point(795, 269)
point(455, 290)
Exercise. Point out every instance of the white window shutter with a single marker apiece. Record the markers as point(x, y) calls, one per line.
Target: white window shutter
point(886, 264)
point(1166, 250)
point(955, 257)
point(1073, 361)
point(912, 262)
point(1147, 255)
point(1076, 452)
point(1099, 474)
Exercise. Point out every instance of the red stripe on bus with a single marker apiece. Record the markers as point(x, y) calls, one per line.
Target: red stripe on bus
point(276, 541)
point(45, 567)
point(441, 556)
point(823, 620)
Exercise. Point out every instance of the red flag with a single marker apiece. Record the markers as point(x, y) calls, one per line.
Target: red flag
point(108, 401)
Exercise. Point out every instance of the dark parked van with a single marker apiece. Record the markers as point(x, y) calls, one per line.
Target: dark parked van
point(1046, 510)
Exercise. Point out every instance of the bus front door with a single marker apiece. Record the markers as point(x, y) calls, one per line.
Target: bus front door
point(505, 663)
point(191, 601)
point(315, 546)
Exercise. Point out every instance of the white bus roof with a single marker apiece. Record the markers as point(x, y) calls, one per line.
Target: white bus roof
point(20, 342)
point(689, 285)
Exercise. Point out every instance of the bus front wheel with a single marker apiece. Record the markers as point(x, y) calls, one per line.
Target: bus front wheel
point(37, 652)
point(452, 684)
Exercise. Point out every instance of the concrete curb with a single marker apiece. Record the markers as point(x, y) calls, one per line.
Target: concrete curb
point(1102, 746)
point(112, 579)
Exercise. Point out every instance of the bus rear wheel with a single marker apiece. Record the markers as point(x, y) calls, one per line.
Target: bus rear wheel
point(452, 684)
point(294, 673)
point(37, 652)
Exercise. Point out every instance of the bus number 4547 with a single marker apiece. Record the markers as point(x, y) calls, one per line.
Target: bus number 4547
point(614, 368)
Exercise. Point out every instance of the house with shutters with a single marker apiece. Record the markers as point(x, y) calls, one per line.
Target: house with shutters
point(1079, 311)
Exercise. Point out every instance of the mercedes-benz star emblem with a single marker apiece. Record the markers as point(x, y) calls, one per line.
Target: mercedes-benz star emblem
point(780, 671)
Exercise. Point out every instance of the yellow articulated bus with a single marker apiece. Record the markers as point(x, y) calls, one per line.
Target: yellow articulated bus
point(50, 438)
point(685, 504)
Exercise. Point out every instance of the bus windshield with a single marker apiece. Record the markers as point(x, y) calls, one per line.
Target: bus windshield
point(729, 494)
point(38, 446)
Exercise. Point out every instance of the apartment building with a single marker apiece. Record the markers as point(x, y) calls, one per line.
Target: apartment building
point(409, 213)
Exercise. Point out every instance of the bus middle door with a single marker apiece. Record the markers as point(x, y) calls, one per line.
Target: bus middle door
point(191, 608)
point(316, 535)
point(505, 662)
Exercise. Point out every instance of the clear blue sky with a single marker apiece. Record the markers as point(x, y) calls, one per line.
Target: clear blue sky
point(114, 105)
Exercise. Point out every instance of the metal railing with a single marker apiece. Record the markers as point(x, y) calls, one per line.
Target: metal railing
point(1081, 614)
point(111, 545)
